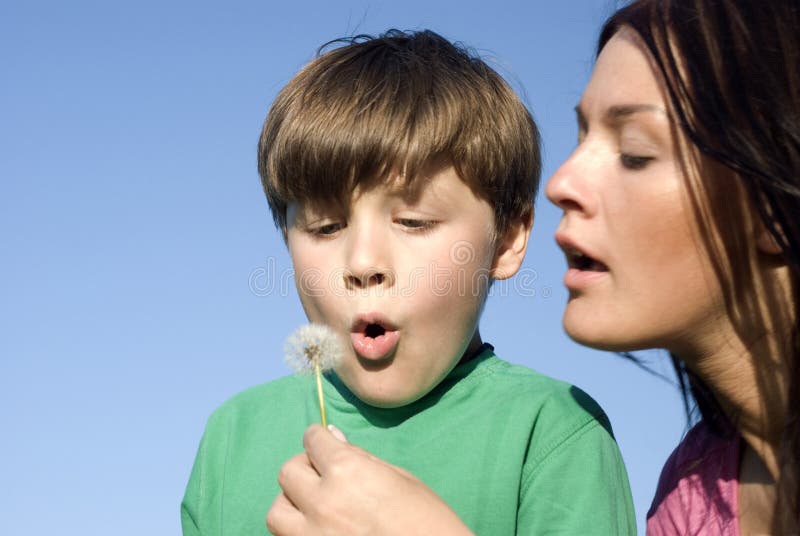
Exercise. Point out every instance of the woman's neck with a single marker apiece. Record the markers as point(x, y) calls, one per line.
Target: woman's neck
point(745, 363)
point(750, 384)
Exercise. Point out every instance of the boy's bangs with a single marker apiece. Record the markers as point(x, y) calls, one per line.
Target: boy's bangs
point(383, 110)
point(332, 144)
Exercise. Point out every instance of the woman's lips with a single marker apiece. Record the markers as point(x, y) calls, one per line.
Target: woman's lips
point(576, 279)
point(582, 268)
point(377, 347)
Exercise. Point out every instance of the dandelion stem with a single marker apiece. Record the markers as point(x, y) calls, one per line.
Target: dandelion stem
point(318, 374)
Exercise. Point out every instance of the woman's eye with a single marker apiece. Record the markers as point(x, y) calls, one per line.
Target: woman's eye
point(634, 162)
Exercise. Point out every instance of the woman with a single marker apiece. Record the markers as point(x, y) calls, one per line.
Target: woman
point(682, 227)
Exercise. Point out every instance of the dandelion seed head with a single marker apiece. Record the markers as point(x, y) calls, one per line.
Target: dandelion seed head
point(310, 343)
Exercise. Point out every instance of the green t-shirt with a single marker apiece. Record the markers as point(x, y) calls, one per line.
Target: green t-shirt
point(510, 450)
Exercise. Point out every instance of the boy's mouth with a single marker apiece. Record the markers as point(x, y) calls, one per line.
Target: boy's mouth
point(373, 331)
point(373, 337)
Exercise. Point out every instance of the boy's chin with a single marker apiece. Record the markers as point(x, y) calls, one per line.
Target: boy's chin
point(383, 396)
point(387, 400)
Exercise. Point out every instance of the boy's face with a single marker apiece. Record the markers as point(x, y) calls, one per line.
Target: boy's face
point(402, 279)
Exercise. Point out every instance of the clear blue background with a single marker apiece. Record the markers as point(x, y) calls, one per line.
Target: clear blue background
point(138, 252)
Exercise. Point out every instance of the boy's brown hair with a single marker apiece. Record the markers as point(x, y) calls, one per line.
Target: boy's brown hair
point(380, 106)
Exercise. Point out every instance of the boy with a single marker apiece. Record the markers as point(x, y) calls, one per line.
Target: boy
point(402, 171)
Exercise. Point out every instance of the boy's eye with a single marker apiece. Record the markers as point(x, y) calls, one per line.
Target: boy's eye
point(416, 225)
point(634, 162)
point(326, 230)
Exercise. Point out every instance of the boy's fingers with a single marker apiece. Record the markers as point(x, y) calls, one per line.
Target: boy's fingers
point(322, 448)
point(283, 519)
point(299, 482)
point(325, 452)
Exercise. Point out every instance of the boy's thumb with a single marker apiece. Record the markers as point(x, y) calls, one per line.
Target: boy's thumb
point(338, 434)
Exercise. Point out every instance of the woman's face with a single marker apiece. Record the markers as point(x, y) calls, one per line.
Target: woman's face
point(638, 275)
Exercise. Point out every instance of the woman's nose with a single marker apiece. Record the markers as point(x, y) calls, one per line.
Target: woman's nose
point(569, 187)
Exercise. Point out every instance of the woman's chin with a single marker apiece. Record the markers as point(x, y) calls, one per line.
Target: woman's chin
point(602, 340)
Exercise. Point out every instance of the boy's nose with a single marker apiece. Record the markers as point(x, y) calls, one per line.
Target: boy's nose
point(367, 279)
point(368, 261)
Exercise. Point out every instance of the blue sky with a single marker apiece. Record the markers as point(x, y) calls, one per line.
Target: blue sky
point(140, 282)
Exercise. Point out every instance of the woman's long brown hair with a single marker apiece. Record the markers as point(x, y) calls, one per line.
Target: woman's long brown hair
point(731, 71)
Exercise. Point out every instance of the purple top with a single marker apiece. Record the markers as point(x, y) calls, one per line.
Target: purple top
point(698, 490)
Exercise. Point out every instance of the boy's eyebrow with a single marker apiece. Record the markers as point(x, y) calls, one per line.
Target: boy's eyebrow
point(408, 193)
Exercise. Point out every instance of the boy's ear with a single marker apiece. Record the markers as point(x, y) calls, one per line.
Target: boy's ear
point(511, 247)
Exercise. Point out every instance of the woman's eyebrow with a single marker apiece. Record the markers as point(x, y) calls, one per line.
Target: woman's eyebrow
point(623, 111)
point(619, 112)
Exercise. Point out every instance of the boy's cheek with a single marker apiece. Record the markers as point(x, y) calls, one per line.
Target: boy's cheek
point(310, 283)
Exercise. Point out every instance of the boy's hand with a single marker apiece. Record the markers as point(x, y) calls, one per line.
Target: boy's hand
point(335, 488)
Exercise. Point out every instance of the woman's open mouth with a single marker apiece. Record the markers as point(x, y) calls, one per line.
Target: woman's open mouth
point(583, 269)
point(578, 260)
